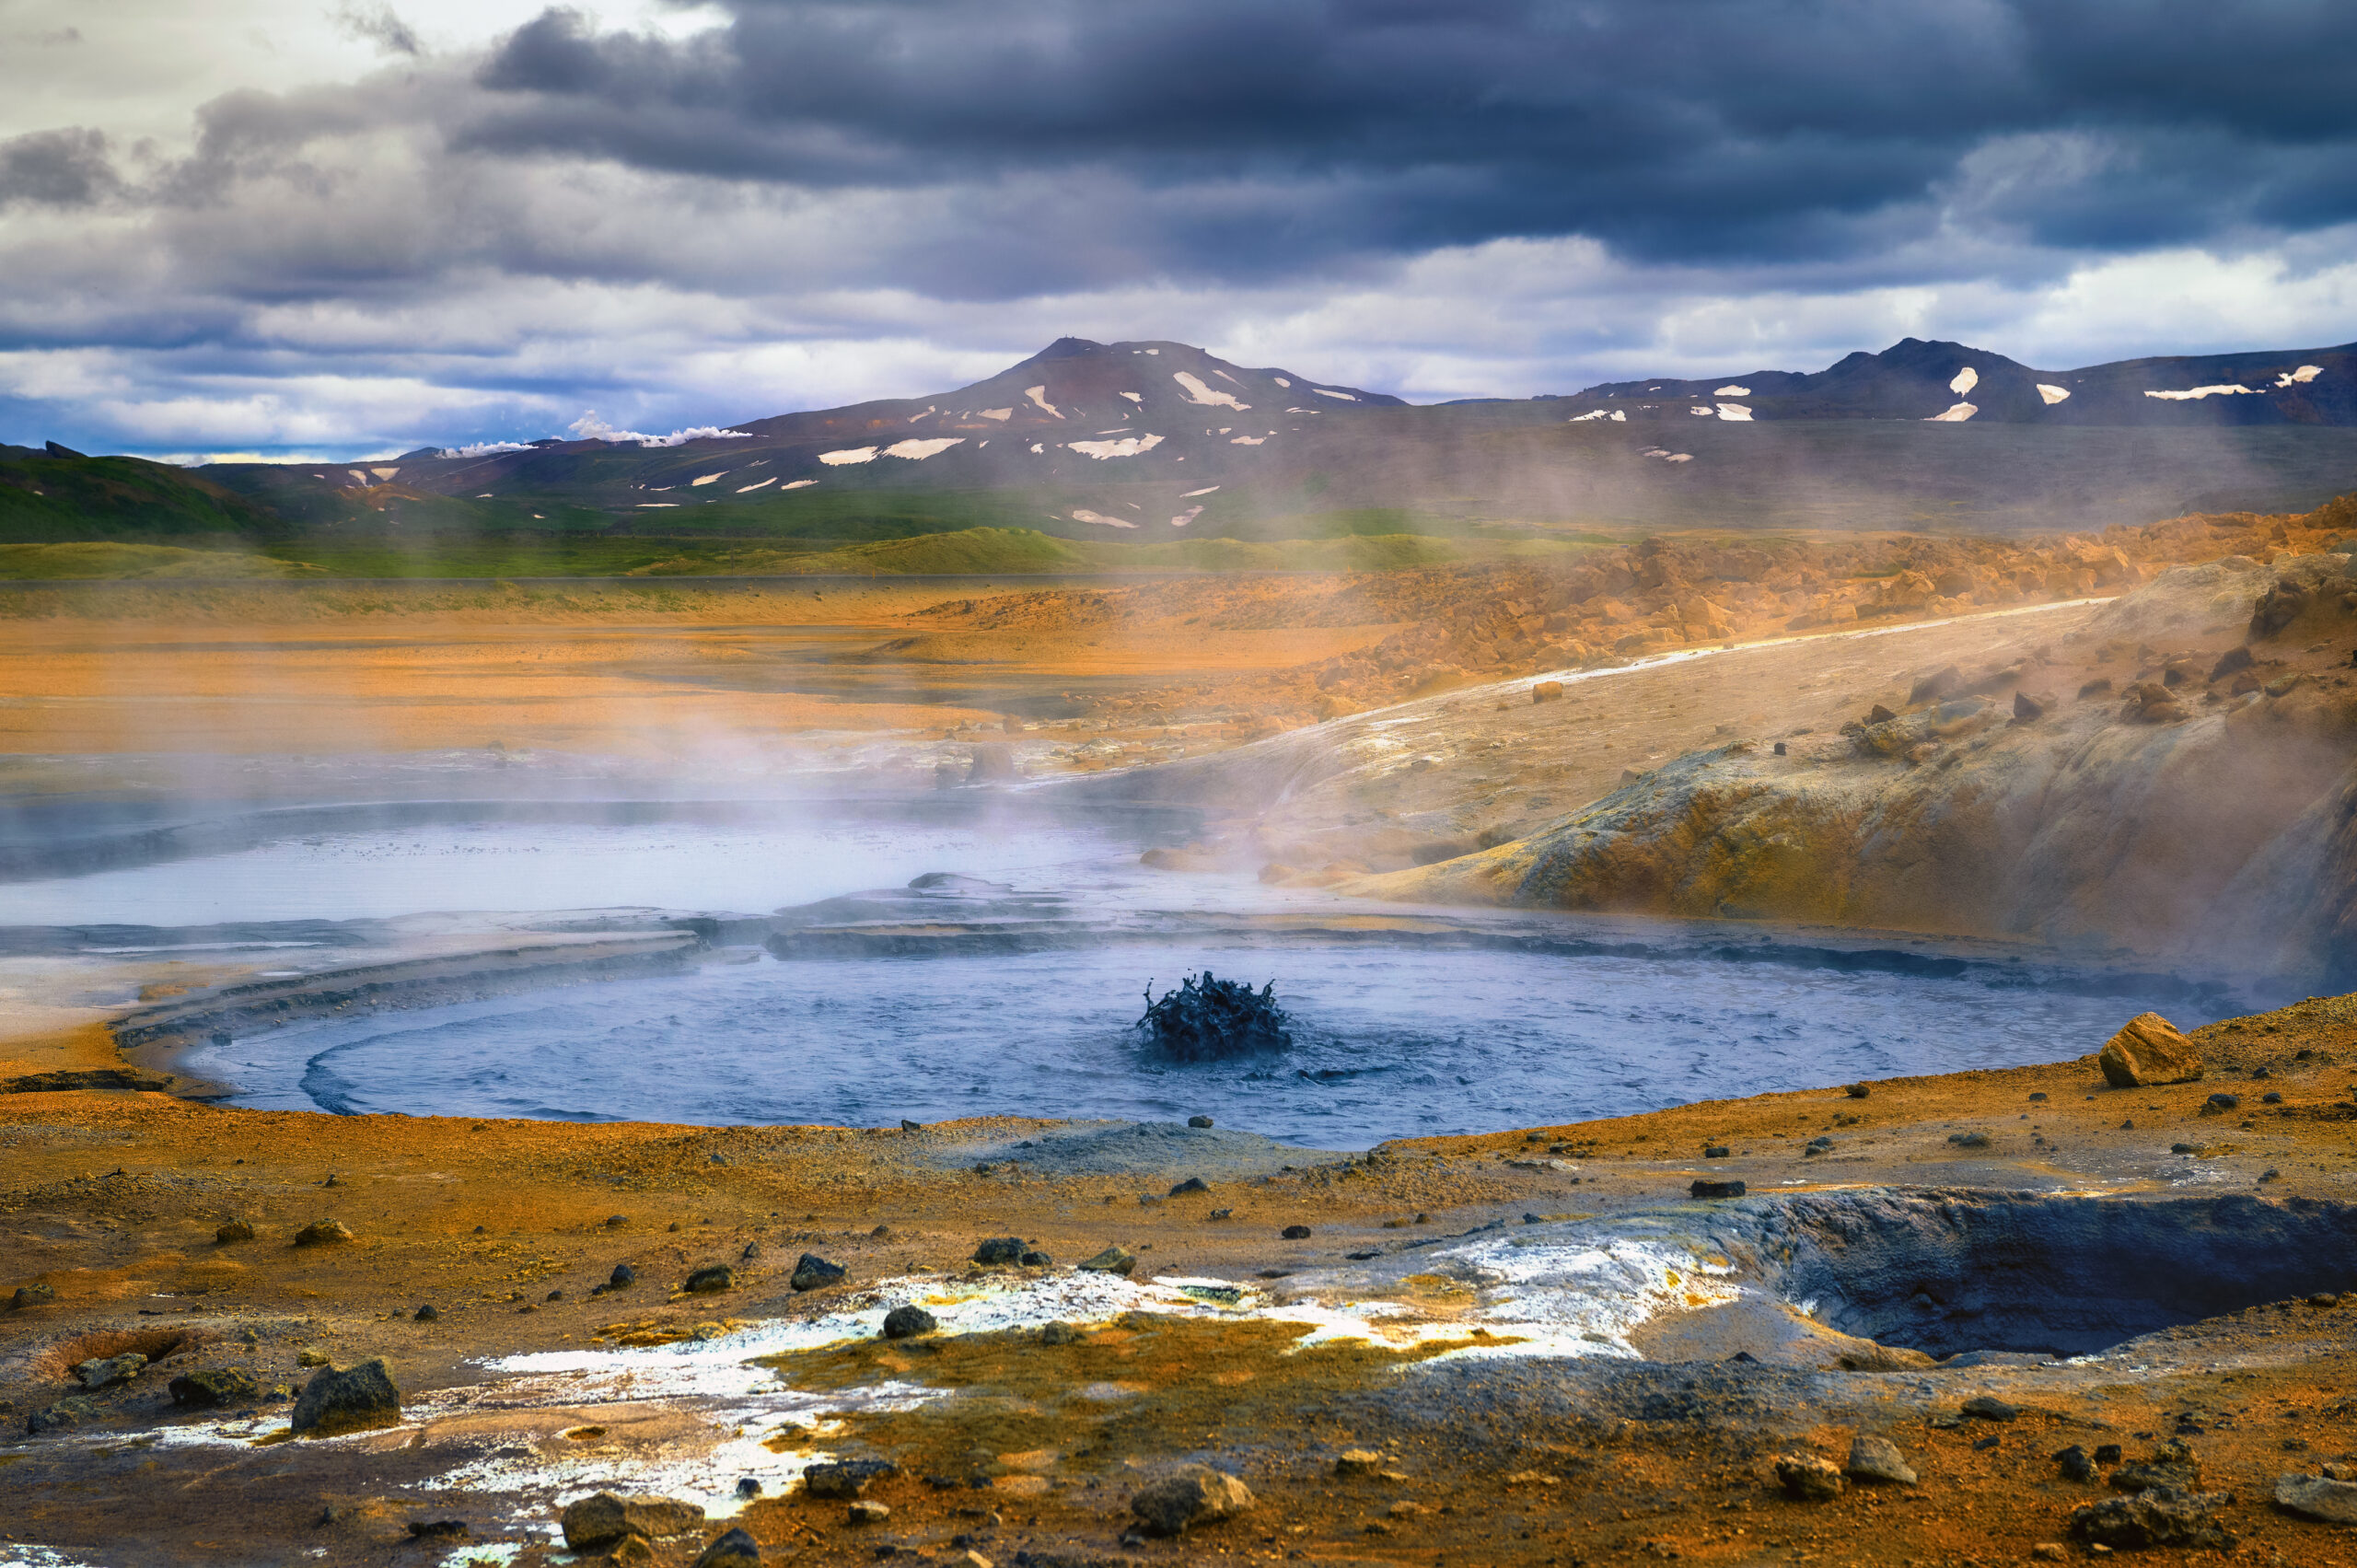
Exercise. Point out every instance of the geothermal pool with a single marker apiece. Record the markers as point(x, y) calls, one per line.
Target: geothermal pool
point(1403, 1027)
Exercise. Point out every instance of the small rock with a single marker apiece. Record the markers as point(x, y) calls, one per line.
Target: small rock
point(212, 1385)
point(814, 1271)
point(1807, 1477)
point(748, 1488)
point(845, 1477)
point(1112, 1260)
point(1988, 1407)
point(605, 1516)
point(906, 1322)
point(1199, 1122)
point(718, 1277)
point(615, 1222)
point(1969, 1140)
point(425, 1315)
point(1704, 1187)
point(1001, 1250)
point(350, 1401)
point(1547, 691)
point(2075, 1463)
point(2048, 1552)
point(909, 1126)
point(2159, 1517)
point(1715, 1152)
point(323, 1233)
point(2219, 1103)
point(752, 1252)
point(1357, 1461)
point(232, 1231)
point(66, 1413)
point(1859, 1091)
point(1192, 1184)
point(438, 1529)
point(629, 1551)
point(1059, 1333)
point(1294, 1233)
point(2106, 1453)
point(311, 1358)
point(2271, 1097)
point(2316, 1497)
point(1877, 1458)
point(1036, 1260)
point(2026, 710)
point(881, 1232)
point(1879, 715)
point(865, 1512)
point(104, 1372)
point(1221, 1214)
point(35, 1295)
point(735, 1550)
point(2149, 1050)
point(1197, 1495)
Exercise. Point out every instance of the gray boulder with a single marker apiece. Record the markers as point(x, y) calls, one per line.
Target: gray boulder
point(352, 1399)
point(1197, 1495)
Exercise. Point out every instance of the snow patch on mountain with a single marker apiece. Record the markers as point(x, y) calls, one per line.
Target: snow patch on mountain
point(1127, 447)
point(1199, 391)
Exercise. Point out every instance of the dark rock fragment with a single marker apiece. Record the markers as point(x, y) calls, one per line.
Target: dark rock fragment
point(1001, 1250)
point(716, 1278)
point(907, 1321)
point(733, 1549)
point(211, 1386)
point(1705, 1188)
point(814, 1273)
point(845, 1477)
point(349, 1401)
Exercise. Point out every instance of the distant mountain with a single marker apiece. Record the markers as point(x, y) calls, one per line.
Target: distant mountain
point(1951, 383)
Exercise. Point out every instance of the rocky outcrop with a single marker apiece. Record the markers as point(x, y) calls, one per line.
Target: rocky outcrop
point(2210, 822)
point(2149, 1050)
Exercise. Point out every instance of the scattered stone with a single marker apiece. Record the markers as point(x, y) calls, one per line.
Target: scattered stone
point(351, 1401)
point(1357, 1461)
point(311, 1358)
point(2149, 1050)
point(909, 1126)
point(1781, 749)
point(427, 1315)
point(1294, 1233)
point(2048, 1552)
point(323, 1233)
point(1199, 1122)
point(438, 1529)
point(1192, 1184)
point(2219, 1104)
point(1988, 1407)
point(615, 1222)
point(1879, 715)
point(1547, 691)
point(2272, 1097)
point(752, 1252)
point(604, 1516)
point(2317, 1497)
point(712, 1281)
point(630, 1551)
point(1112, 1260)
point(2076, 1464)
point(2189, 1149)
point(212, 1385)
point(814, 1271)
point(105, 1372)
point(1001, 1250)
point(2096, 688)
point(2159, 1517)
point(231, 1232)
point(1197, 1495)
point(2172, 1468)
point(1060, 1332)
point(1877, 1458)
point(65, 1414)
point(1808, 1479)
point(748, 1488)
point(881, 1232)
point(2106, 1453)
point(737, 1549)
point(35, 1295)
point(1705, 1188)
point(865, 1512)
point(1714, 1151)
point(1038, 1260)
point(1969, 1140)
point(906, 1322)
point(845, 1477)
point(2234, 661)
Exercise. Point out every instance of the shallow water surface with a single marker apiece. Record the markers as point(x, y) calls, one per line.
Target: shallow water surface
point(1390, 1040)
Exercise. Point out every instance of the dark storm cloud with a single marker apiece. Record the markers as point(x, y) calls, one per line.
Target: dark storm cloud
point(1692, 129)
point(57, 169)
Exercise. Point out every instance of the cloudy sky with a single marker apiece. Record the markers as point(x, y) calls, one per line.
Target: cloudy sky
point(341, 228)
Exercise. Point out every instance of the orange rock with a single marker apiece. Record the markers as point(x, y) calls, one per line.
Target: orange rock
point(2149, 1050)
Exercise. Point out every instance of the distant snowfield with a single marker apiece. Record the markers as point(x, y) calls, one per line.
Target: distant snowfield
point(917, 451)
point(2305, 374)
point(1736, 412)
point(798, 484)
point(1038, 394)
point(2052, 394)
point(998, 413)
point(1346, 397)
point(1189, 516)
point(1083, 515)
point(760, 484)
point(2195, 394)
point(1200, 393)
point(1246, 440)
point(847, 455)
point(1956, 416)
point(708, 478)
point(1127, 447)
point(1204, 490)
point(1731, 392)
point(1965, 380)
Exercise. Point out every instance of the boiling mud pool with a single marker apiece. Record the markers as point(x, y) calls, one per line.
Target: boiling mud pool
point(1390, 1041)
